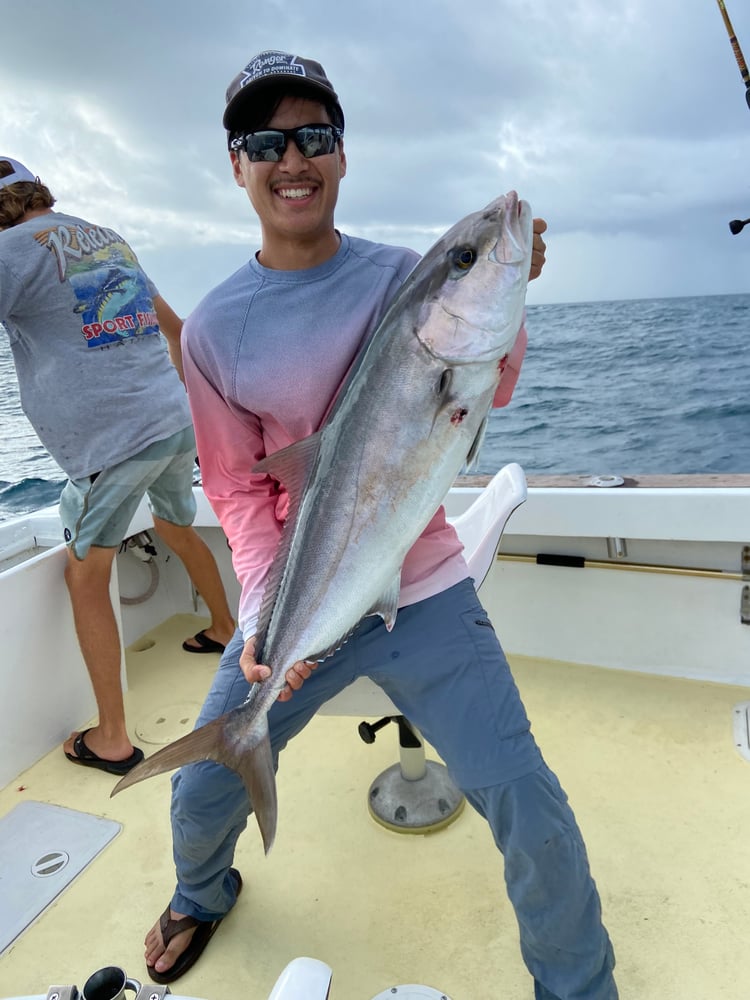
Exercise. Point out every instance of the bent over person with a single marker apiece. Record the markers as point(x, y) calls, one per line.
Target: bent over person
point(99, 389)
point(265, 354)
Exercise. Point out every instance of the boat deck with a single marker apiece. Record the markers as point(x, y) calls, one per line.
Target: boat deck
point(649, 764)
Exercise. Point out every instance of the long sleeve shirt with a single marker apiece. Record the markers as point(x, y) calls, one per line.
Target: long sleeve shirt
point(265, 354)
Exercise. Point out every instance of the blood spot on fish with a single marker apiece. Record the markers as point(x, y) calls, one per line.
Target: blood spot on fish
point(458, 415)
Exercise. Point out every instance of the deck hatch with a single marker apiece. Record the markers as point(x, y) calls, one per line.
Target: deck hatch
point(42, 849)
point(741, 726)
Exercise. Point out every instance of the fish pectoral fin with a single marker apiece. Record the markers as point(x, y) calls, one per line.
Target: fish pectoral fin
point(387, 604)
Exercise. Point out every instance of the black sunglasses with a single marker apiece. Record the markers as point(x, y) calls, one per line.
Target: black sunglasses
point(269, 145)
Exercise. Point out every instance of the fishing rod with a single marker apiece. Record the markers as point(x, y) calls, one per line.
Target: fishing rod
point(736, 225)
point(737, 50)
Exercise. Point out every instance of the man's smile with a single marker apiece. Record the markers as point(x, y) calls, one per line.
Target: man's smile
point(294, 193)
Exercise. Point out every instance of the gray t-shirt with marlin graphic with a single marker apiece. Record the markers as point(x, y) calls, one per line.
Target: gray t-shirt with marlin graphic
point(94, 374)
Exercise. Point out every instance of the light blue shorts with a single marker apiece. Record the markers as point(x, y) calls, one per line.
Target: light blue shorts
point(97, 510)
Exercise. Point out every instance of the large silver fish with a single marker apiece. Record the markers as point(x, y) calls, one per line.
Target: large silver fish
point(363, 488)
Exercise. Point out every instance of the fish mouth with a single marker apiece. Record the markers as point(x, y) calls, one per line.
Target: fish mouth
point(516, 232)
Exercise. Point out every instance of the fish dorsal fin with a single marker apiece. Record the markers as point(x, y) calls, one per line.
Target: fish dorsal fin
point(292, 466)
point(476, 445)
point(386, 606)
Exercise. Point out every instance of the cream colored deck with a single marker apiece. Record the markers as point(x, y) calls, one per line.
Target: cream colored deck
point(662, 798)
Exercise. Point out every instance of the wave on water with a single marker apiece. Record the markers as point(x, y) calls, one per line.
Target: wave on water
point(28, 495)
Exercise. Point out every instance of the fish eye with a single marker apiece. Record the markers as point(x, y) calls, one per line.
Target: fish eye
point(463, 257)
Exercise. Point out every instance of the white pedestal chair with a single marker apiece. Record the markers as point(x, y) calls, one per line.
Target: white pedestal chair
point(303, 979)
point(416, 795)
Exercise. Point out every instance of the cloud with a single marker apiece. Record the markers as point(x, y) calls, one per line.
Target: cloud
point(624, 125)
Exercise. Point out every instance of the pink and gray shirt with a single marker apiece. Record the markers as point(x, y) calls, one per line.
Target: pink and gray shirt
point(264, 354)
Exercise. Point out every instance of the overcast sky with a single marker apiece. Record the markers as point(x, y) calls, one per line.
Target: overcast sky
point(622, 122)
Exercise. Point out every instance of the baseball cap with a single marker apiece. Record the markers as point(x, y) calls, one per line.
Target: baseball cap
point(271, 69)
point(20, 173)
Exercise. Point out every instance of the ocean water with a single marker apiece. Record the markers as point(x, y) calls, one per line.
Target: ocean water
point(648, 386)
point(635, 387)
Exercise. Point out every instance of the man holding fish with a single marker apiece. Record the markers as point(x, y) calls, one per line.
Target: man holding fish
point(327, 475)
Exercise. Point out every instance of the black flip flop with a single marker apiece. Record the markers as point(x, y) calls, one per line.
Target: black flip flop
point(87, 758)
point(205, 930)
point(205, 644)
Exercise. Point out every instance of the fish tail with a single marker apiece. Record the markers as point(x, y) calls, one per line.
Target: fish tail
point(257, 772)
point(217, 741)
point(207, 743)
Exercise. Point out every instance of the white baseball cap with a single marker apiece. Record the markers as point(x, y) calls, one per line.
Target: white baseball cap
point(20, 172)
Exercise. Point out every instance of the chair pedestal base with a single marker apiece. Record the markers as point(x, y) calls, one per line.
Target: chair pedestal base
point(424, 805)
point(416, 795)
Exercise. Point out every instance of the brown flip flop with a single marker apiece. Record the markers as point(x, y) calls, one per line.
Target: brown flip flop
point(205, 930)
